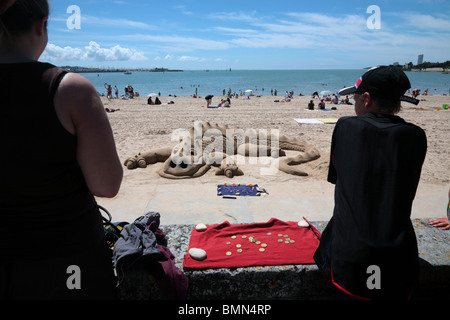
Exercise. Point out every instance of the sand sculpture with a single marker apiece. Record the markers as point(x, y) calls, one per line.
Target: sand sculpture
point(206, 145)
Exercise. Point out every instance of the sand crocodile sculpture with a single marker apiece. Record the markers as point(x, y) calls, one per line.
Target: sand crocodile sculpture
point(206, 145)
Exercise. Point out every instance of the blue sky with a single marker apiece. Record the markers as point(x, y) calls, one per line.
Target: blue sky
point(283, 34)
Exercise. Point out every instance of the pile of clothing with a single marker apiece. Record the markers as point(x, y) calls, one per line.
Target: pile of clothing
point(142, 243)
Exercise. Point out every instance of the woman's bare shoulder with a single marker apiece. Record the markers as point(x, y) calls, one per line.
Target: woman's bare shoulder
point(75, 84)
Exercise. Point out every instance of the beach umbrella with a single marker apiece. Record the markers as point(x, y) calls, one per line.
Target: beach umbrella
point(152, 95)
point(325, 93)
point(248, 91)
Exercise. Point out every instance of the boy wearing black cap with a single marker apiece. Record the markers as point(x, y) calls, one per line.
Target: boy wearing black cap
point(369, 245)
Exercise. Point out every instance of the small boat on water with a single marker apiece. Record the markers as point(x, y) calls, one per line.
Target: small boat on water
point(127, 72)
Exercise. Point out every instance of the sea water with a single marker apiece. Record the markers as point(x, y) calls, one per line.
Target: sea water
point(260, 82)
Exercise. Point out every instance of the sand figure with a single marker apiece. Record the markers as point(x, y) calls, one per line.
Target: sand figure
point(228, 169)
point(206, 145)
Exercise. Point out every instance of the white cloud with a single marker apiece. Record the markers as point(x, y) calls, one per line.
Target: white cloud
point(102, 22)
point(316, 29)
point(183, 10)
point(177, 43)
point(341, 36)
point(108, 22)
point(92, 52)
point(95, 52)
point(188, 58)
point(56, 53)
point(236, 16)
point(299, 30)
point(427, 22)
point(335, 34)
point(236, 31)
point(292, 30)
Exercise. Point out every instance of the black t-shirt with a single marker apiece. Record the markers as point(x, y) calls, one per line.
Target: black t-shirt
point(375, 163)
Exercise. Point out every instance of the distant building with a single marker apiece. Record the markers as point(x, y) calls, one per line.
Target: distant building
point(407, 66)
point(420, 59)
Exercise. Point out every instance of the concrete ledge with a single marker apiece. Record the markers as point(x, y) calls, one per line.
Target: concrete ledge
point(302, 282)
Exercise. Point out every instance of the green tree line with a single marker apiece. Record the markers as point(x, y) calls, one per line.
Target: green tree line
point(426, 65)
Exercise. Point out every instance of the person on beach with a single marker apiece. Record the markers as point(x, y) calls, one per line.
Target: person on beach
point(346, 100)
point(226, 103)
point(58, 153)
point(321, 105)
point(208, 99)
point(108, 91)
point(311, 105)
point(369, 245)
point(335, 99)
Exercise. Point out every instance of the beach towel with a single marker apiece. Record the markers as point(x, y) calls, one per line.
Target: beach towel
point(328, 120)
point(308, 121)
point(258, 244)
point(238, 190)
point(316, 121)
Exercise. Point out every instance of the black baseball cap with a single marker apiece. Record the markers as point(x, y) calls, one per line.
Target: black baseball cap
point(384, 82)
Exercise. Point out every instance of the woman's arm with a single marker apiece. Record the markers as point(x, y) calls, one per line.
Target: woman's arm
point(82, 113)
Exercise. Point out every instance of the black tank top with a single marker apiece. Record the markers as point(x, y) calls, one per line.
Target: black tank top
point(43, 194)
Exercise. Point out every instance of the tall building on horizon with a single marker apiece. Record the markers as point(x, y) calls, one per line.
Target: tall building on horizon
point(420, 59)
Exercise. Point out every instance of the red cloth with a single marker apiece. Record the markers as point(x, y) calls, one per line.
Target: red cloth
point(214, 242)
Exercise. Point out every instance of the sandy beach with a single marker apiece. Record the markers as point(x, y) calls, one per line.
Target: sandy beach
point(139, 127)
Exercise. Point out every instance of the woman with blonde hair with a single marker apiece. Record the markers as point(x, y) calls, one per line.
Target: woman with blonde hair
point(58, 154)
